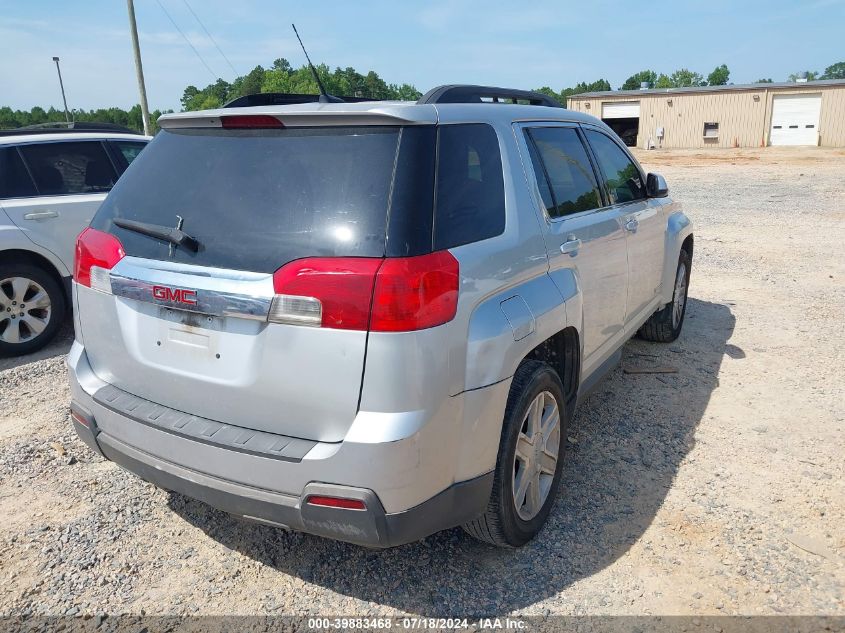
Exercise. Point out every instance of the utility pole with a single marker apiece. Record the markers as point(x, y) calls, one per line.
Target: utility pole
point(139, 69)
point(62, 86)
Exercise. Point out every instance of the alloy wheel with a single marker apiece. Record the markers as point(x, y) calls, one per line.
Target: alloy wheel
point(535, 459)
point(25, 310)
point(680, 299)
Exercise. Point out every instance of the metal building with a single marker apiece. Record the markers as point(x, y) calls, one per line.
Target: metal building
point(751, 115)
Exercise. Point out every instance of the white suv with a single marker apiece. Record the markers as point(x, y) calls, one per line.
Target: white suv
point(52, 181)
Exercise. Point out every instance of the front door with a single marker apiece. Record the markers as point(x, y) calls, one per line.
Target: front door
point(642, 219)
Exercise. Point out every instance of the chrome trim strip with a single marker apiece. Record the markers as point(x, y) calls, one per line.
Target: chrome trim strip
point(212, 291)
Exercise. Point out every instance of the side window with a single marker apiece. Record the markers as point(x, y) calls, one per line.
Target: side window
point(129, 149)
point(560, 159)
point(15, 181)
point(74, 167)
point(622, 178)
point(470, 187)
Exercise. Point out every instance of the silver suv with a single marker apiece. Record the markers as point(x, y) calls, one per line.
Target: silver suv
point(369, 321)
point(52, 181)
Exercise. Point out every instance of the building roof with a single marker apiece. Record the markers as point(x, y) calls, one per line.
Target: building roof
point(728, 88)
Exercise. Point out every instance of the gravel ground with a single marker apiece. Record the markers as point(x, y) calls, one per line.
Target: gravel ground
point(714, 490)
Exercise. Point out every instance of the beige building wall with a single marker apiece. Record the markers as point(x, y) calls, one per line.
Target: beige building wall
point(744, 116)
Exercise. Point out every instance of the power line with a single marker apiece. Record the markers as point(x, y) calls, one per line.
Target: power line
point(210, 37)
point(176, 26)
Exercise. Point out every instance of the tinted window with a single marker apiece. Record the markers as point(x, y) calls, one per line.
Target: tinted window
point(470, 187)
point(77, 167)
point(622, 178)
point(412, 202)
point(129, 149)
point(14, 178)
point(566, 166)
point(257, 199)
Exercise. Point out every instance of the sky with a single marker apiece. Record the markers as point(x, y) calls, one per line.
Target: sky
point(512, 44)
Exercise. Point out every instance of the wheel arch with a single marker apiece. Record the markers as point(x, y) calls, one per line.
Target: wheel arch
point(679, 234)
point(22, 256)
point(562, 351)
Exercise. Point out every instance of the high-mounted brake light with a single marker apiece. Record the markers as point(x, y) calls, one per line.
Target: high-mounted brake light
point(250, 121)
point(96, 255)
point(399, 294)
point(336, 502)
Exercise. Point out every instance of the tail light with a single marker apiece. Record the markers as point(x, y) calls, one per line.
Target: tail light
point(96, 255)
point(356, 293)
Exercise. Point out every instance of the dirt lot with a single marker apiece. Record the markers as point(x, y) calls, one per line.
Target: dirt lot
point(714, 490)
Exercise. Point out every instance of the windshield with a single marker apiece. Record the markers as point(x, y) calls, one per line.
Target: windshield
point(257, 199)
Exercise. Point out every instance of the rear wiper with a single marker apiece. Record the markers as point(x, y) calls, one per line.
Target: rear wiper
point(167, 233)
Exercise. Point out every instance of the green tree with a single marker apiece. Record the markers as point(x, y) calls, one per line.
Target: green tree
point(764, 81)
point(685, 78)
point(636, 80)
point(835, 71)
point(719, 76)
point(811, 75)
point(664, 81)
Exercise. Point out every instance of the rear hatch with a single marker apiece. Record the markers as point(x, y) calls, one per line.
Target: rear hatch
point(208, 319)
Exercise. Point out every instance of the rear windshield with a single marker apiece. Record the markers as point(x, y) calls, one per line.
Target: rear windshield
point(257, 199)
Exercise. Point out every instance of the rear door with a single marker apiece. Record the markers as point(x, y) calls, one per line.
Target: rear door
point(188, 329)
point(72, 179)
point(582, 232)
point(642, 219)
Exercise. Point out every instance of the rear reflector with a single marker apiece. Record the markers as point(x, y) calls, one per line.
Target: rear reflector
point(96, 255)
point(80, 418)
point(250, 121)
point(398, 294)
point(336, 502)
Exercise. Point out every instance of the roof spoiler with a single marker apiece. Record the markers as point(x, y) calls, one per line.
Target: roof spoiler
point(460, 93)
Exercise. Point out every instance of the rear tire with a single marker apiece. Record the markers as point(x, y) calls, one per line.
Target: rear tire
point(664, 326)
point(32, 308)
point(530, 459)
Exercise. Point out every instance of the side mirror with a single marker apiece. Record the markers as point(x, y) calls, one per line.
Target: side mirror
point(656, 186)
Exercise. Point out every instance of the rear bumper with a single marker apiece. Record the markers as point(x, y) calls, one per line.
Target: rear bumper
point(411, 486)
point(372, 527)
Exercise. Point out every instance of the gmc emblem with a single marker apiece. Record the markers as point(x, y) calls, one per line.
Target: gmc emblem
point(175, 295)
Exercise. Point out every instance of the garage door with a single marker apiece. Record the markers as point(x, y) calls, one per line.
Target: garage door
point(795, 119)
point(620, 110)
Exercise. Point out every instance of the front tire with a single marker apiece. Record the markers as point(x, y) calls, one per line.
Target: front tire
point(530, 459)
point(664, 326)
point(32, 308)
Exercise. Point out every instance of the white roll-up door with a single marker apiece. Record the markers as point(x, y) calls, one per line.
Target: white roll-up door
point(795, 119)
point(620, 110)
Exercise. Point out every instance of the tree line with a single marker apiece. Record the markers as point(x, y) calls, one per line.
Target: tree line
point(282, 77)
point(131, 118)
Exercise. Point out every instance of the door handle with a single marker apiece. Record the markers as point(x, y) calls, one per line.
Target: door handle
point(631, 225)
point(41, 215)
point(570, 246)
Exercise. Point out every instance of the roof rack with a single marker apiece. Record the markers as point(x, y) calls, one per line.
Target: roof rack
point(72, 127)
point(283, 98)
point(459, 93)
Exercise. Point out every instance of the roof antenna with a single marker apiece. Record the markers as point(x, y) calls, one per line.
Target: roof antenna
point(325, 97)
